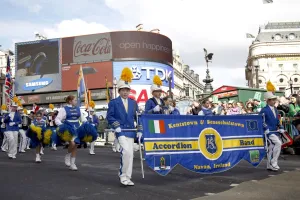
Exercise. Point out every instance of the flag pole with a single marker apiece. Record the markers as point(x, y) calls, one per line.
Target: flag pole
point(86, 98)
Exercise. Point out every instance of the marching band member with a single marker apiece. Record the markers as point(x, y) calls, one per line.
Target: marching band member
point(26, 121)
point(271, 126)
point(51, 124)
point(35, 133)
point(68, 121)
point(23, 138)
point(153, 105)
point(4, 146)
point(168, 107)
point(12, 120)
point(94, 121)
point(121, 114)
point(205, 110)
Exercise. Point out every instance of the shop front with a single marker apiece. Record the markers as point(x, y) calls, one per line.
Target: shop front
point(240, 94)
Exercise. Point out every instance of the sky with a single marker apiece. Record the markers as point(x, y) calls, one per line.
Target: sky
point(220, 26)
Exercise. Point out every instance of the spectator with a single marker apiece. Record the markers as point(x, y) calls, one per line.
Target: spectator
point(175, 111)
point(196, 108)
point(103, 124)
point(294, 105)
point(206, 111)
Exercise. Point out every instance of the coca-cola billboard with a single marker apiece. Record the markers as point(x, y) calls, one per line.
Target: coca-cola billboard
point(90, 48)
point(123, 45)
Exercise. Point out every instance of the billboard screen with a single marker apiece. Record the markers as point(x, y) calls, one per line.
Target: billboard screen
point(94, 75)
point(38, 66)
point(143, 72)
point(141, 93)
point(123, 45)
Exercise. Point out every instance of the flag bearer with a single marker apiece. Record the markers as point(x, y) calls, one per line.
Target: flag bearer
point(121, 114)
point(12, 120)
point(272, 129)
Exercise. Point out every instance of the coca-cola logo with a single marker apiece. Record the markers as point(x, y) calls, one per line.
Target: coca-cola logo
point(100, 47)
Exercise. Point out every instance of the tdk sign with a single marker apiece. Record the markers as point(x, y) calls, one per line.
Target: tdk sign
point(37, 84)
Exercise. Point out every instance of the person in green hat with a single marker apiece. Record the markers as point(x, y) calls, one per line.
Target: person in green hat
point(258, 105)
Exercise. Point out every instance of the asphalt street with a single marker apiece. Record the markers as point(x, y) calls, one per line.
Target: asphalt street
point(23, 179)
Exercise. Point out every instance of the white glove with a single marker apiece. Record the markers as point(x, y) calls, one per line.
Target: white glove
point(281, 130)
point(156, 108)
point(118, 130)
point(267, 131)
point(20, 125)
point(11, 123)
point(139, 134)
point(93, 125)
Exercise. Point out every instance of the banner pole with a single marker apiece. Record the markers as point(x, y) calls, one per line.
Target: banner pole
point(140, 147)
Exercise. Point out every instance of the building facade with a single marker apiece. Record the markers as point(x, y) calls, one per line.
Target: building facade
point(3, 65)
point(275, 55)
point(187, 85)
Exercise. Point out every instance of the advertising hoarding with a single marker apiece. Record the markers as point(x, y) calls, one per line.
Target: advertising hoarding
point(122, 45)
point(99, 94)
point(141, 93)
point(38, 66)
point(94, 75)
point(143, 72)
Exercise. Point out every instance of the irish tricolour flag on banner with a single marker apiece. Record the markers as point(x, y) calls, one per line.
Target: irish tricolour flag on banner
point(157, 126)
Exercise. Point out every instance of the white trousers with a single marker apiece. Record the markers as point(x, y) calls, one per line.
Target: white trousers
point(274, 149)
point(4, 145)
point(92, 147)
point(116, 145)
point(126, 162)
point(23, 140)
point(28, 142)
point(12, 139)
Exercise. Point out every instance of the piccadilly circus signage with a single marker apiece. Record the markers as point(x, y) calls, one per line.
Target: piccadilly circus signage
point(37, 84)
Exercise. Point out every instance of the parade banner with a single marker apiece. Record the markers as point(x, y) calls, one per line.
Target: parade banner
point(202, 144)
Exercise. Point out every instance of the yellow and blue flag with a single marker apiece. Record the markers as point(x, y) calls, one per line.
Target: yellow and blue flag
point(81, 90)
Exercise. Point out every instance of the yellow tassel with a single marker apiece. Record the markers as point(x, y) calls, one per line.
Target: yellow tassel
point(37, 130)
point(87, 138)
point(66, 136)
point(51, 106)
point(25, 111)
point(92, 104)
point(157, 81)
point(3, 107)
point(15, 99)
point(19, 104)
point(270, 87)
point(126, 75)
point(47, 136)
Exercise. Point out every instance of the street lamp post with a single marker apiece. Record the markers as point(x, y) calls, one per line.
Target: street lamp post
point(115, 87)
point(256, 65)
point(290, 82)
point(170, 86)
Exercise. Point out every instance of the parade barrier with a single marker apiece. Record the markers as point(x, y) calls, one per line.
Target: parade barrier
point(202, 144)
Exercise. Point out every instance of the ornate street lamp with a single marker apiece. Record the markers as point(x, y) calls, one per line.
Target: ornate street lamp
point(290, 82)
point(256, 66)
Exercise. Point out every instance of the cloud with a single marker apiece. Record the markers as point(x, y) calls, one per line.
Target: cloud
point(217, 25)
point(74, 27)
point(33, 6)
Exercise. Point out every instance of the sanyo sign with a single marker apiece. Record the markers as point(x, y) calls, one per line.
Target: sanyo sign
point(143, 72)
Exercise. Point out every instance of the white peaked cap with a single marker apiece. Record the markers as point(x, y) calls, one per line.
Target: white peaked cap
point(155, 87)
point(269, 95)
point(122, 84)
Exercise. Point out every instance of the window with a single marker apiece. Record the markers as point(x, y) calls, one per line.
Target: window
point(187, 92)
point(281, 80)
point(295, 66)
point(260, 81)
point(280, 66)
point(295, 80)
point(296, 88)
point(282, 89)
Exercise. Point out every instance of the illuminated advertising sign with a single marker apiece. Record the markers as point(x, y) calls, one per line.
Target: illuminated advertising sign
point(143, 72)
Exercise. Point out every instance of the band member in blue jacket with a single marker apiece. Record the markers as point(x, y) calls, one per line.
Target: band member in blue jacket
point(4, 145)
point(38, 122)
point(121, 114)
point(92, 119)
point(272, 128)
point(154, 105)
point(68, 119)
point(12, 120)
point(205, 110)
